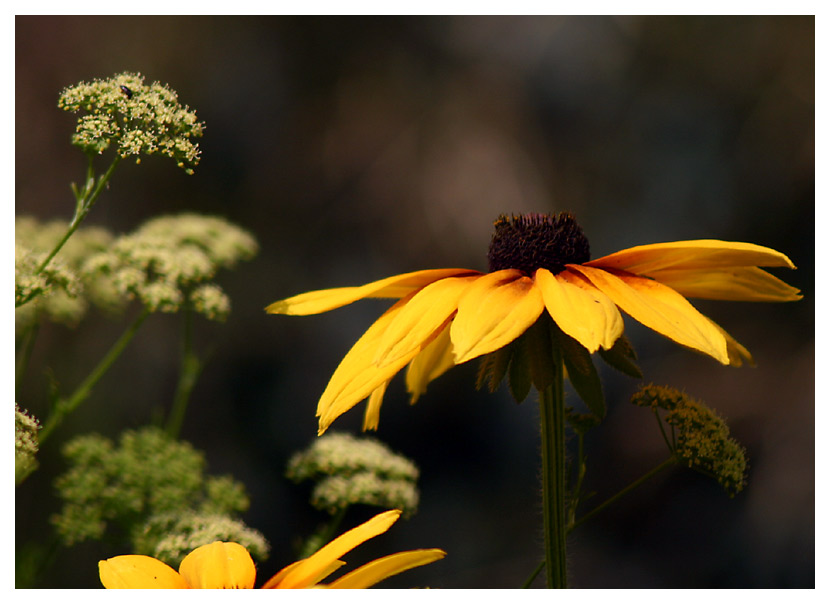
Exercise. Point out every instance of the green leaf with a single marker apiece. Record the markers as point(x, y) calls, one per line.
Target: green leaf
point(538, 341)
point(493, 368)
point(519, 371)
point(622, 357)
point(582, 374)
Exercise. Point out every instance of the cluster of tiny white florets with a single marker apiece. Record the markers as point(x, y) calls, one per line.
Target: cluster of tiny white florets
point(52, 292)
point(170, 537)
point(59, 292)
point(170, 261)
point(136, 118)
point(209, 300)
point(350, 470)
point(43, 236)
point(25, 443)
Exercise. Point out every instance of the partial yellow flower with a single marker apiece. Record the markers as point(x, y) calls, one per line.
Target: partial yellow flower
point(221, 565)
point(538, 263)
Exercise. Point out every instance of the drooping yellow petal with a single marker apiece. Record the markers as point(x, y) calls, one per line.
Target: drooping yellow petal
point(366, 381)
point(376, 571)
point(694, 254)
point(495, 310)
point(736, 351)
point(743, 283)
point(219, 565)
point(434, 360)
point(580, 309)
point(138, 572)
point(307, 572)
point(428, 309)
point(396, 286)
point(659, 308)
point(371, 417)
point(356, 377)
point(275, 581)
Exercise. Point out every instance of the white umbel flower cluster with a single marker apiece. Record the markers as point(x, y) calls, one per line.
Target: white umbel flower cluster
point(350, 470)
point(136, 118)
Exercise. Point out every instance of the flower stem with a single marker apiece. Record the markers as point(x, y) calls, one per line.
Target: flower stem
point(85, 199)
point(552, 412)
point(24, 353)
point(533, 575)
point(66, 405)
point(667, 463)
point(319, 539)
point(190, 369)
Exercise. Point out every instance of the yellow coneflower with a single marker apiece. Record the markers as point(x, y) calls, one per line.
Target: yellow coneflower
point(227, 565)
point(538, 263)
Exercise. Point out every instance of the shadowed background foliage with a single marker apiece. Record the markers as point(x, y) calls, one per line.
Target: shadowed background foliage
point(356, 148)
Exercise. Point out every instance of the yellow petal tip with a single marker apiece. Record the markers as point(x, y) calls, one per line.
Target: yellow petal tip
point(275, 308)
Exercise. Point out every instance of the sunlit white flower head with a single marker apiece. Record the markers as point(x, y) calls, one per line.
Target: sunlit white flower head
point(135, 118)
point(172, 260)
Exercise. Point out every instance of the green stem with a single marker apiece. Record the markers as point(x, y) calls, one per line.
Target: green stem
point(322, 537)
point(667, 463)
point(552, 412)
point(190, 369)
point(66, 405)
point(533, 575)
point(24, 353)
point(663, 431)
point(580, 477)
point(82, 208)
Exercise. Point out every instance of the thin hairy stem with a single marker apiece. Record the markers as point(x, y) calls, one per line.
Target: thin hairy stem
point(552, 413)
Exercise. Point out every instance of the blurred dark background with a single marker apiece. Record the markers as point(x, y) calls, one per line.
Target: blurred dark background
point(356, 148)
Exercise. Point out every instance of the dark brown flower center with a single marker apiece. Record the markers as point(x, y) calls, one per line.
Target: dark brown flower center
point(536, 241)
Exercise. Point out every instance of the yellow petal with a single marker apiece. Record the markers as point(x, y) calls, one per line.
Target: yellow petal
point(659, 308)
point(363, 383)
point(494, 311)
point(417, 321)
point(275, 582)
point(303, 574)
point(580, 309)
point(376, 571)
point(695, 254)
point(219, 565)
point(396, 286)
point(138, 572)
point(434, 360)
point(356, 377)
point(371, 417)
point(747, 283)
point(736, 351)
